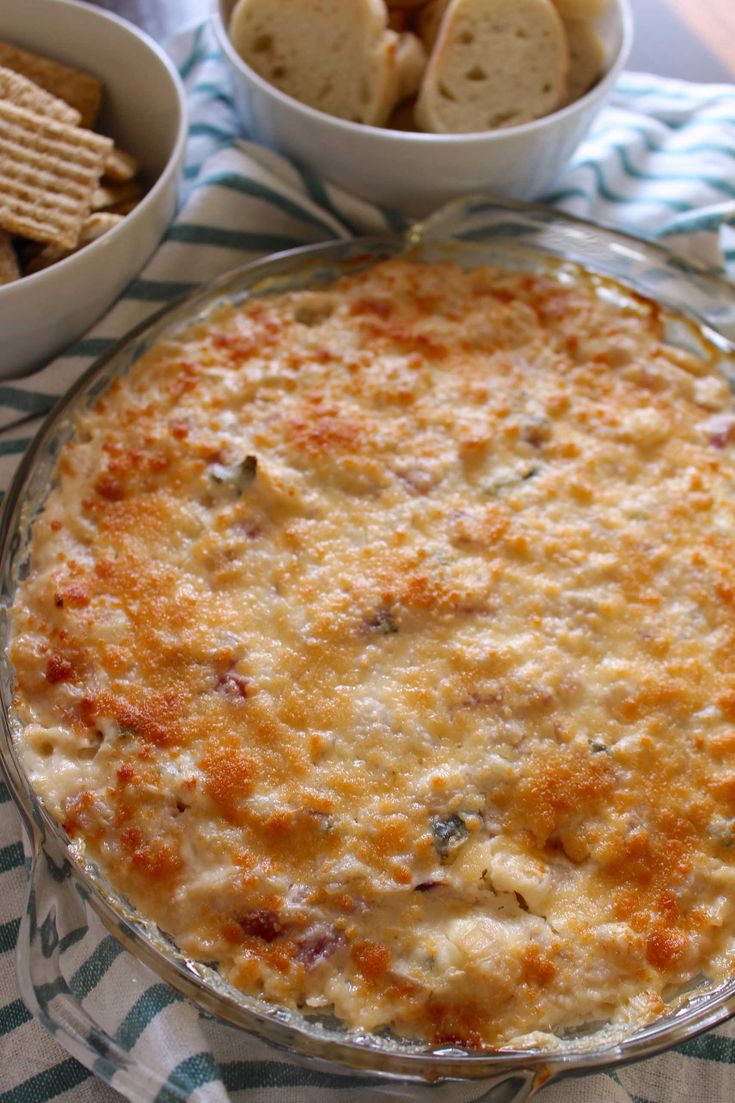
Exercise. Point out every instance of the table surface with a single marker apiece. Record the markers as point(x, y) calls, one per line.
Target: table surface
point(691, 39)
point(705, 23)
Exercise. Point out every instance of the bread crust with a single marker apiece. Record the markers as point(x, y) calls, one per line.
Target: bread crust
point(586, 58)
point(581, 9)
point(496, 63)
point(411, 62)
point(337, 58)
point(429, 22)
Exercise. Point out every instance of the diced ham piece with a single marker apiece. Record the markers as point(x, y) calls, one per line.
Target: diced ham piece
point(720, 430)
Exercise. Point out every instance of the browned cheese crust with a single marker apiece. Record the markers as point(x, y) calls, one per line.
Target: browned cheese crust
point(378, 643)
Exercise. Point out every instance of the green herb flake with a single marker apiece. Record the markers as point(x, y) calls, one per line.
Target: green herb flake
point(449, 833)
point(237, 475)
point(511, 479)
point(383, 623)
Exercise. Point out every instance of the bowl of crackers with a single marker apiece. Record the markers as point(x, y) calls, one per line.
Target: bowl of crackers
point(92, 133)
point(412, 103)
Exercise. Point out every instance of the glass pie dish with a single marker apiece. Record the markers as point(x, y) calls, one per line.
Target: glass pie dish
point(69, 897)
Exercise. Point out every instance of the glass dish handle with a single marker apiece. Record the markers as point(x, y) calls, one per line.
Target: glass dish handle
point(462, 219)
point(55, 921)
point(514, 1087)
point(653, 270)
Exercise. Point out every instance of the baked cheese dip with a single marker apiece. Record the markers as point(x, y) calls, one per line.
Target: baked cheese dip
point(378, 643)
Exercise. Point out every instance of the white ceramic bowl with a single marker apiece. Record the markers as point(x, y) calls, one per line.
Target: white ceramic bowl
point(144, 110)
point(415, 173)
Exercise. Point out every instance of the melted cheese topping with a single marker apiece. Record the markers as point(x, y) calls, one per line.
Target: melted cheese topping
point(379, 644)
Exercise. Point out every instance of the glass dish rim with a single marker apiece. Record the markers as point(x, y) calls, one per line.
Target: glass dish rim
point(711, 1008)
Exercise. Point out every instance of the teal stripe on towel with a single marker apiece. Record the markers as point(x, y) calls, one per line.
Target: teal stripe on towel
point(244, 241)
point(99, 962)
point(45, 1085)
point(242, 1075)
point(710, 1047)
point(15, 446)
point(247, 186)
point(11, 857)
point(91, 347)
point(158, 291)
point(12, 1016)
point(143, 1012)
point(30, 402)
point(193, 1073)
point(194, 57)
point(9, 935)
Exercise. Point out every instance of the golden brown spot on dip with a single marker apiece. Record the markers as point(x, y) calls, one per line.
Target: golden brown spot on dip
point(390, 658)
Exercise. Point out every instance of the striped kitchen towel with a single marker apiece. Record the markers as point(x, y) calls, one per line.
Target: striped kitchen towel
point(660, 162)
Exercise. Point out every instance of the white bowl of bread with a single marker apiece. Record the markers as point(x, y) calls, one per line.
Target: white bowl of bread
point(92, 131)
point(411, 103)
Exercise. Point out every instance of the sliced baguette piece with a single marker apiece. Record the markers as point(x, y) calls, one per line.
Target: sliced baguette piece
point(399, 19)
point(9, 269)
point(586, 58)
point(402, 118)
point(410, 64)
point(334, 55)
point(429, 22)
point(380, 89)
point(581, 9)
point(496, 63)
point(402, 14)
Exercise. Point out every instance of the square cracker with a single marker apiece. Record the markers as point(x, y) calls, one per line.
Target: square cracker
point(81, 90)
point(24, 93)
point(95, 226)
point(9, 269)
point(48, 174)
point(121, 166)
point(111, 196)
